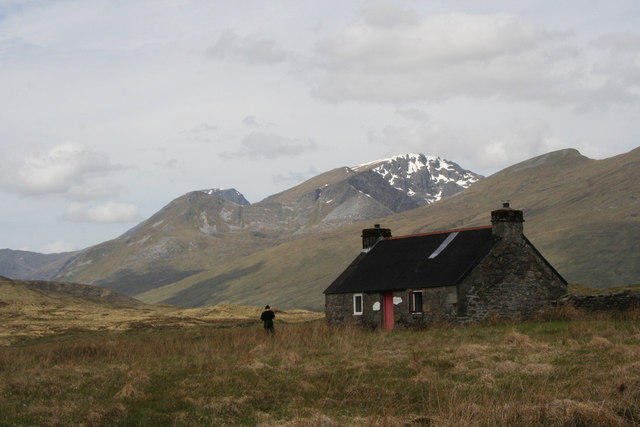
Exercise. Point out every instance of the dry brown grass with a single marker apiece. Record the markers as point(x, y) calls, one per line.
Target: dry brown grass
point(19, 320)
point(579, 372)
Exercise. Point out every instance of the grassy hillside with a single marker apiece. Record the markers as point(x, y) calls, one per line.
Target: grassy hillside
point(50, 293)
point(573, 371)
point(328, 178)
point(205, 230)
point(582, 214)
point(33, 309)
point(174, 243)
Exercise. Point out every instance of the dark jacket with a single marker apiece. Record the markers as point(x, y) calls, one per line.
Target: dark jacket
point(267, 317)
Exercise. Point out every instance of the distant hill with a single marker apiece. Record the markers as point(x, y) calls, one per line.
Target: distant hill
point(228, 194)
point(202, 249)
point(208, 229)
point(24, 264)
point(58, 293)
point(582, 214)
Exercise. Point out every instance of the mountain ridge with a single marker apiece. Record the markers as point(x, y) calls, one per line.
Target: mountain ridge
point(205, 229)
point(593, 247)
point(581, 213)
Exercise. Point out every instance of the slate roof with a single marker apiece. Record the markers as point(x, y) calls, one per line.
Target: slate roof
point(417, 261)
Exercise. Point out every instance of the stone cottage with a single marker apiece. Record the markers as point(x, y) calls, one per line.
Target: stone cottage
point(455, 276)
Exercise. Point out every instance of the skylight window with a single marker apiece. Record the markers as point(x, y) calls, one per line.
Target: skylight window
point(443, 245)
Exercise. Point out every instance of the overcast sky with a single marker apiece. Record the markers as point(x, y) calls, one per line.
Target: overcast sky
point(111, 109)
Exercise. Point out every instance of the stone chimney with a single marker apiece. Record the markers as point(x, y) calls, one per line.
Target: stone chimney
point(507, 223)
point(370, 236)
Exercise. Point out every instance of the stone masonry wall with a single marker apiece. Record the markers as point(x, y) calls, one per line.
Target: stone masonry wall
point(339, 310)
point(438, 306)
point(512, 281)
point(619, 301)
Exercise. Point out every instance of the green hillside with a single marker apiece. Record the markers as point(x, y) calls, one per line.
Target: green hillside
point(582, 214)
point(207, 230)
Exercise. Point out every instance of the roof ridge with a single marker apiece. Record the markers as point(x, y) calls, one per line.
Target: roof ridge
point(455, 230)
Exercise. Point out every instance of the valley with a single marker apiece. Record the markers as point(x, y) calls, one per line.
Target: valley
point(202, 249)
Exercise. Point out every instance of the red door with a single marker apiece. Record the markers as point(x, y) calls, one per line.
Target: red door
point(387, 311)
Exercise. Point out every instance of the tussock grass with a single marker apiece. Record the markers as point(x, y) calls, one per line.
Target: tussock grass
point(583, 371)
point(42, 316)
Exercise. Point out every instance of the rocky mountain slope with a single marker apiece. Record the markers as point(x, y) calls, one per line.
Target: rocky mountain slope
point(23, 264)
point(205, 230)
point(582, 214)
point(425, 179)
point(345, 195)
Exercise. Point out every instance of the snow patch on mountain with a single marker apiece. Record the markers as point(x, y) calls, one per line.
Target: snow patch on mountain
point(428, 178)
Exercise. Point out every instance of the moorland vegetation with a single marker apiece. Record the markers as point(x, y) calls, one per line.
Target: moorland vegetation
point(566, 368)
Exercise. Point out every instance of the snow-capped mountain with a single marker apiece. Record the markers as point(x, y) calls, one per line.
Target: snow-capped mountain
point(425, 179)
point(201, 249)
point(212, 228)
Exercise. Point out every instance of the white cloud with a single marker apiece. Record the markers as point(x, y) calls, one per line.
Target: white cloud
point(479, 56)
point(248, 49)
point(261, 145)
point(108, 213)
point(484, 151)
point(388, 15)
point(294, 178)
point(413, 114)
point(250, 122)
point(620, 42)
point(170, 85)
point(522, 140)
point(619, 64)
point(253, 123)
point(64, 169)
point(432, 138)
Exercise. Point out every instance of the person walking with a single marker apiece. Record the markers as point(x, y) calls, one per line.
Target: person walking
point(267, 317)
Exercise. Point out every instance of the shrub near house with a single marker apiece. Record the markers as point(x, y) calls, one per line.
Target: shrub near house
point(456, 276)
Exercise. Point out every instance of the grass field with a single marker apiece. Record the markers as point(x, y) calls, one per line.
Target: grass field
point(20, 321)
point(568, 369)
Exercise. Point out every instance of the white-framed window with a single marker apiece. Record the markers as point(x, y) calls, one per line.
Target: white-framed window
point(357, 304)
point(415, 302)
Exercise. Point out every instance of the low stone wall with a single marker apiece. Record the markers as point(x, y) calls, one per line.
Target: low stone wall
point(619, 301)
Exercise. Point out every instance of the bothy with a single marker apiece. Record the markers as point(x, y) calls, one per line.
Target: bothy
point(455, 276)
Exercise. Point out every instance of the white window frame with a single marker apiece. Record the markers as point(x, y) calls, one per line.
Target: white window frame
point(355, 311)
point(418, 310)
